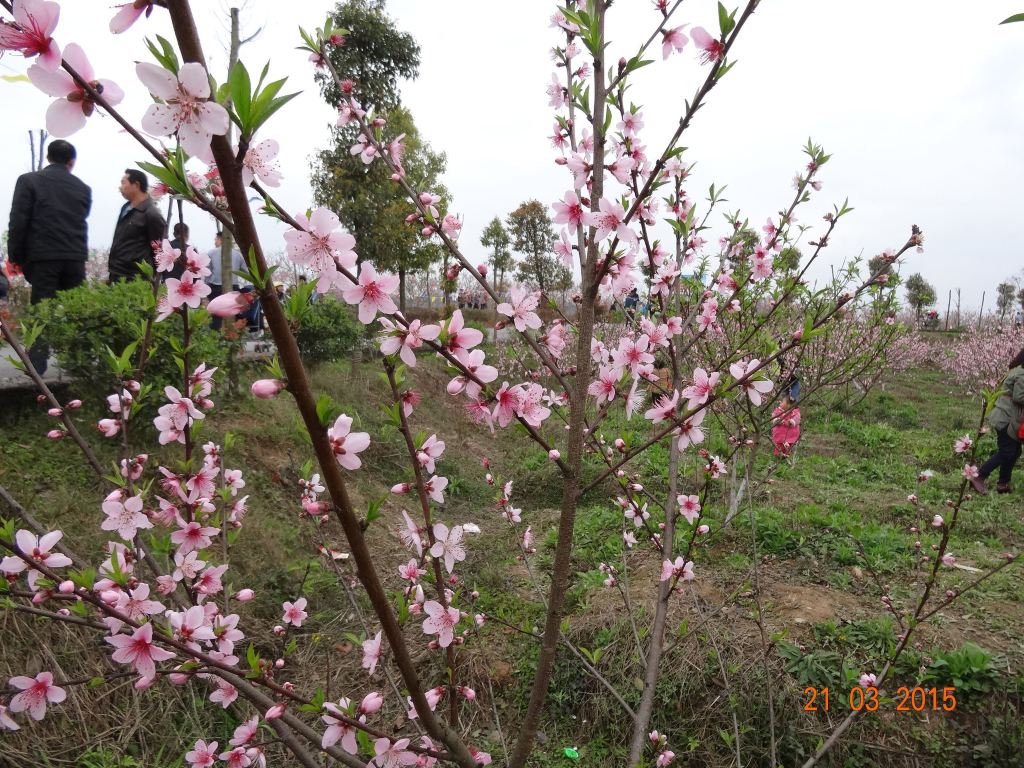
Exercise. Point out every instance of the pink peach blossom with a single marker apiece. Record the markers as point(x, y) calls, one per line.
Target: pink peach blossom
point(295, 613)
point(346, 444)
point(32, 32)
point(73, 104)
point(186, 109)
point(371, 293)
point(138, 650)
point(440, 621)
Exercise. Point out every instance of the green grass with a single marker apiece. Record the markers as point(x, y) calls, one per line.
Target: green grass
point(832, 522)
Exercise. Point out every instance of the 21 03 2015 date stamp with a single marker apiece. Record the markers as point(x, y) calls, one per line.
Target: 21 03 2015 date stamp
point(868, 699)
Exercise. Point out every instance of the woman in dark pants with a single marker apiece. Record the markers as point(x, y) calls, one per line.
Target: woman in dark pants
point(1005, 421)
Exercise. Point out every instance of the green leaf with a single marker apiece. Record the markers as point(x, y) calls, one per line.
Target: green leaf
point(167, 176)
point(164, 54)
point(252, 658)
point(316, 703)
point(241, 95)
point(1014, 18)
point(326, 409)
point(373, 509)
point(723, 21)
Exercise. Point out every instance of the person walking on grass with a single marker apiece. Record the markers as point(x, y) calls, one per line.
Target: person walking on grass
point(1005, 420)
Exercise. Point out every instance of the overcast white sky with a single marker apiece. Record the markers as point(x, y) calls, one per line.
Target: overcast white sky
point(921, 103)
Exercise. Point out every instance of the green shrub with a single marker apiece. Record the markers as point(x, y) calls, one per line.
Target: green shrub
point(970, 669)
point(328, 331)
point(81, 323)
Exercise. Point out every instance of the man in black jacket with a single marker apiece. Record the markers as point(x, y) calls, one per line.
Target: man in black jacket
point(48, 235)
point(139, 225)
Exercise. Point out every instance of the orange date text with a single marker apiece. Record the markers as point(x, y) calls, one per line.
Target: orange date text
point(915, 699)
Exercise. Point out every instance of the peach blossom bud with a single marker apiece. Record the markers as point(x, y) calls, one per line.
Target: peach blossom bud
point(265, 389)
point(177, 678)
point(937, 521)
point(244, 595)
point(109, 596)
point(620, 473)
point(40, 597)
point(468, 693)
point(40, 398)
point(274, 712)
point(486, 463)
point(55, 434)
point(554, 455)
point(228, 304)
point(371, 703)
point(325, 518)
point(54, 412)
point(313, 508)
point(950, 594)
point(63, 612)
point(278, 630)
point(427, 231)
point(482, 269)
point(620, 444)
point(66, 587)
point(278, 663)
point(133, 386)
point(143, 683)
point(474, 595)
point(400, 488)
point(74, 404)
point(702, 529)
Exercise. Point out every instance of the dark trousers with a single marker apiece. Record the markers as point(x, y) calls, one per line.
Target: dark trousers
point(1007, 452)
point(47, 278)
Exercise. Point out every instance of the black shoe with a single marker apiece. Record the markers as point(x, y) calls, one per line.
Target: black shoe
point(1004, 488)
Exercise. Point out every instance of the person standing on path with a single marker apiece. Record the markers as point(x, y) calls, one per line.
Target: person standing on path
point(48, 233)
point(139, 225)
point(1005, 420)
